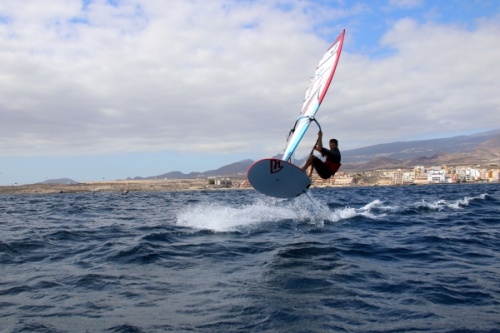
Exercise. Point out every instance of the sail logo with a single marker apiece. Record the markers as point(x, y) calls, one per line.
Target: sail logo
point(275, 166)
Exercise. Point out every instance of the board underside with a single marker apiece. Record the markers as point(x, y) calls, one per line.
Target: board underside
point(278, 178)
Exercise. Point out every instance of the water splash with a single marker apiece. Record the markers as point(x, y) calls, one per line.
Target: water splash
point(442, 204)
point(224, 217)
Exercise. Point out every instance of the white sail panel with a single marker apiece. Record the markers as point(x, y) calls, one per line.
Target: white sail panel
point(315, 93)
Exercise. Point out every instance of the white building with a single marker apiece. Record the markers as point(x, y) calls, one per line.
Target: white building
point(408, 177)
point(436, 176)
point(397, 177)
point(419, 170)
point(468, 174)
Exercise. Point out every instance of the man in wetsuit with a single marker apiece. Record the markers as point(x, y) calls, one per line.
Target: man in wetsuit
point(328, 168)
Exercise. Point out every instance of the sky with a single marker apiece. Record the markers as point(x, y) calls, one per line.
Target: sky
point(98, 90)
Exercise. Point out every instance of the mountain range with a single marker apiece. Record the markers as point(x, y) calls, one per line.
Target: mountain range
point(480, 148)
point(475, 149)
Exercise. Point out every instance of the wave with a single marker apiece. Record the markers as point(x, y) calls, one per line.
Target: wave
point(453, 204)
point(222, 217)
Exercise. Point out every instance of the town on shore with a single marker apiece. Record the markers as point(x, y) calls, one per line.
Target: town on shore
point(419, 175)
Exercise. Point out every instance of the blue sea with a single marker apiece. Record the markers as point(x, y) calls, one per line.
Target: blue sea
point(361, 259)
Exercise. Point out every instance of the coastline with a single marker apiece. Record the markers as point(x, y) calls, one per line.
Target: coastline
point(120, 186)
point(169, 185)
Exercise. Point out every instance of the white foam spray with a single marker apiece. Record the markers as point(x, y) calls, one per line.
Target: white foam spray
point(224, 217)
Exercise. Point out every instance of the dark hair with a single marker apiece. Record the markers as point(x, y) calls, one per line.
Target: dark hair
point(334, 141)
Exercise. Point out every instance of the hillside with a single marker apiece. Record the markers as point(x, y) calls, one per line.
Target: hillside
point(479, 148)
point(414, 149)
point(59, 181)
point(234, 169)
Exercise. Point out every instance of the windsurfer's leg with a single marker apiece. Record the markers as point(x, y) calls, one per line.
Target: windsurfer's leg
point(308, 163)
point(323, 170)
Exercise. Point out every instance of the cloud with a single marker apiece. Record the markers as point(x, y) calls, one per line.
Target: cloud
point(182, 72)
point(438, 79)
point(227, 77)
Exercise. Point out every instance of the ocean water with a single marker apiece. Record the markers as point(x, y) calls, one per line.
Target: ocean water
point(365, 259)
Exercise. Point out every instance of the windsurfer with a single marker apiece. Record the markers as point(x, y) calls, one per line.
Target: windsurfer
point(332, 163)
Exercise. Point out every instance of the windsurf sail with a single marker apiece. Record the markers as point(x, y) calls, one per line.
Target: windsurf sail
point(315, 94)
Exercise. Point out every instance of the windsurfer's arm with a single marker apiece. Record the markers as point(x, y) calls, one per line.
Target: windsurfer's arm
point(319, 145)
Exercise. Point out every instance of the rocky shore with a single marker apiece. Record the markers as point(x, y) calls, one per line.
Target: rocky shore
point(120, 186)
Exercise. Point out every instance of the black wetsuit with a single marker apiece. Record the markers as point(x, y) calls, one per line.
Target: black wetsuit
point(328, 168)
